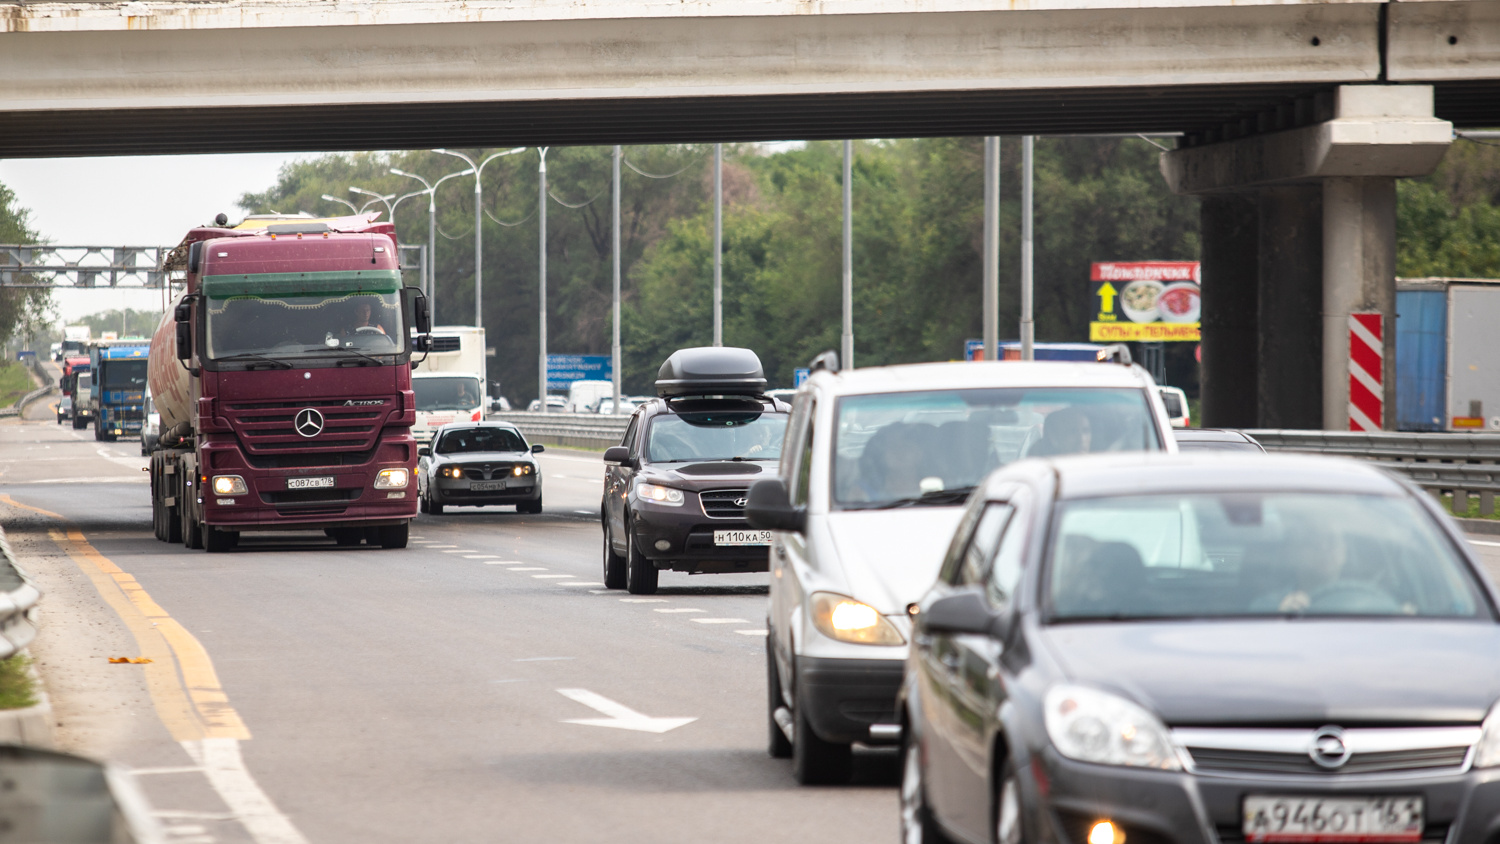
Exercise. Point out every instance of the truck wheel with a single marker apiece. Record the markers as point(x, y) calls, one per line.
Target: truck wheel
point(347, 537)
point(217, 541)
point(815, 761)
point(394, 536)
point(614, 564)
point(98, 432)
point(192, 534)
point(640, 574)
point(77, 424)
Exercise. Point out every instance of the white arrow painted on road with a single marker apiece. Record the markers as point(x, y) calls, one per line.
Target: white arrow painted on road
point(620, 716)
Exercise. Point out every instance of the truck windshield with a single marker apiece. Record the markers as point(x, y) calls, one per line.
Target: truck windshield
point(128, 375)
point(298, 315)
point(933, 447)
point(455, 393)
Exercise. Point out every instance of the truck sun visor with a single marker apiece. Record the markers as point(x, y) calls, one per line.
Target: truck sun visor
point(302, 284)
point(711, 371)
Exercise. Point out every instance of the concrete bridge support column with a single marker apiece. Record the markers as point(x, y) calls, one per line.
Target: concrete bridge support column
point(1323, 171)
point(1230, 317)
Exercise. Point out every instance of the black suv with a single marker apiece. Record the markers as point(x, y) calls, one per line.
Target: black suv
point(675, 487)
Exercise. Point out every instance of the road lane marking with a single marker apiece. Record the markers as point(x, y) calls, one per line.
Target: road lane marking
point(461, 551)
point(675, 609)
point(480, 557)
point(580, 583)
point(752, 632)
point(545, 658)
point(618, 715)
point(505, 563)
point(1482, 542)
point(184, 769)
point(436, 547)
point(720, 620)
point(643, 600)
point(226, 770)
point(547, 576)
point(529, 568)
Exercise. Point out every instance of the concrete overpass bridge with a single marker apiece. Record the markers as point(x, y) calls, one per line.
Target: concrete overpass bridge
point(1297, 117)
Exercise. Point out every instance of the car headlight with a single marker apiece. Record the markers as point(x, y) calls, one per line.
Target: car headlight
point(659, 494)
point(229, 485)
point(522, 469)
point(1487, 749)
point(451, 472)
point(392, 479)
point(1093, 726)
point(847, 620)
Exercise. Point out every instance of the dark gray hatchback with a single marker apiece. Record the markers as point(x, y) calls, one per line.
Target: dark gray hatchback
point(1204, 649)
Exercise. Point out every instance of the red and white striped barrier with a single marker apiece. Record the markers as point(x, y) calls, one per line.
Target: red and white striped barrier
point(1366, 372)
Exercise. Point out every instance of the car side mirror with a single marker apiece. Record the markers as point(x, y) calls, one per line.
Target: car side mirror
point(617, 454)
point(961, 612)
point(424, 451)
point(538, 448)
point(770, 507)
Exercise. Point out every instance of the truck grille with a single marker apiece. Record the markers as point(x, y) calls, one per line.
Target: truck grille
point(308, 496)
point(724, 503)
point(267, 427)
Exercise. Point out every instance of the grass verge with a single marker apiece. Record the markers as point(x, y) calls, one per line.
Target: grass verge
point(17, 689)
point(1473, 512)
point(15, 382)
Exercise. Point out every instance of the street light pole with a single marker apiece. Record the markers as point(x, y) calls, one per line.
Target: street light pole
point(390, 210)
point(614, 240)
point(1028, 326)
point(330, 198)
point(718, 244)
point(478, 219)
point(991, 248)
point(847, 346)
point(431, 227)
point(542, 277)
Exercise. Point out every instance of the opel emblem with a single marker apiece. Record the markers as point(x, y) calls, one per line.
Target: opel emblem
point(1328, 749)
point(740, 502)
point(309, 422)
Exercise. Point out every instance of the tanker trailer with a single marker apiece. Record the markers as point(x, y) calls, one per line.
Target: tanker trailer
point(283, 380)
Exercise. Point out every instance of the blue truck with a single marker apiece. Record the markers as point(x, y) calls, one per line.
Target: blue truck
point(117, 398)
point(1447, 361)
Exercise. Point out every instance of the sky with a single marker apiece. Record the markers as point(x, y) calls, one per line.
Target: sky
point(132, 201)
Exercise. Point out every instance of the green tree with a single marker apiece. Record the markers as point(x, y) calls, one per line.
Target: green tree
point(23, 312)
point(1448, 224)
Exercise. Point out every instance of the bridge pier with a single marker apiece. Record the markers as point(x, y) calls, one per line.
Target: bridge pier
point(1315, 183)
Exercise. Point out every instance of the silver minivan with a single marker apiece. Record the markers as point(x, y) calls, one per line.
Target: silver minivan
point(875, 470)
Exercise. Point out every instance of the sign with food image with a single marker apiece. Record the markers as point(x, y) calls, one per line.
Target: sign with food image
point(1145, 300)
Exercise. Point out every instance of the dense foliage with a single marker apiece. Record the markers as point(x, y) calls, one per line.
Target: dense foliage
point(1449, 222)
point(917, 237)
point(22, 312)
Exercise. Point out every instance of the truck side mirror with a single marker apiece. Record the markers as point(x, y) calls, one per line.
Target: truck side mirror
point(770, 508)
point(184, 340)
point(183, 312)
point(421, 343)
point(421, 317)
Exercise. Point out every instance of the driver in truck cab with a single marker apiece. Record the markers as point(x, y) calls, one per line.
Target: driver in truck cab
point(363, 318)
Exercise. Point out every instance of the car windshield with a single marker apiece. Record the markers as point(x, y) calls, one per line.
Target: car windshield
point(1254, 554)
point(933, 447)
point(731, 435)
point(123, 374)
point(475, 440)
point(257, 320)
point(455, 393)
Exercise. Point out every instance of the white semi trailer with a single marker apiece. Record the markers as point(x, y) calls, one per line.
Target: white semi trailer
point(449, 383)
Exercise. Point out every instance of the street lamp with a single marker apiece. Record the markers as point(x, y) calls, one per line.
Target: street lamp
point(478, 241)
point(431, 191)
point(375, 197)
point(352, 209)
point(542, 271)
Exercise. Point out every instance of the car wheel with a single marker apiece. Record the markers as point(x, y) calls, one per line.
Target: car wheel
point(532, 507)
point(614, 564)
point(217, 541)
point(917, 825)
point(640, 574)
point(1010, 825)
point(434, 506)
point(394, 536)
point(422, 503)
point(815, 761)
point(778, 745)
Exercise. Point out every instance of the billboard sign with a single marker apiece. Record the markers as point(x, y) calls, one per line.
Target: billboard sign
point(1145, 300)
point(563, 370)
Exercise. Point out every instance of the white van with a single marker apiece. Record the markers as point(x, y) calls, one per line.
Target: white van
point(875, 470)
point(584, 395)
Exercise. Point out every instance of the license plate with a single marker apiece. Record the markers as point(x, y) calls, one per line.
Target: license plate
point(308, 483)
point(1287, 818)
point(486, 486)
point(728, 538)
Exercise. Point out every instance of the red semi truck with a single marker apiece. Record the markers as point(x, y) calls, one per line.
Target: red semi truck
point(283, 380)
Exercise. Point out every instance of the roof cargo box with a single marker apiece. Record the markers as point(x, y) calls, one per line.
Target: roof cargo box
point(711, 371)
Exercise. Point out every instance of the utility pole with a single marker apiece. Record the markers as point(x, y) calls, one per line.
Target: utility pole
point(1028, 326)
point(718, 244)
point(992, 248)
point(614, 242)
point(542, 277)
point(846, 355)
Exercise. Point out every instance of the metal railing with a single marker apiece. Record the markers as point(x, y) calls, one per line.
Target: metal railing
point(17, 597)
point(580, 430)
point(19, 407)
point(1460, 465)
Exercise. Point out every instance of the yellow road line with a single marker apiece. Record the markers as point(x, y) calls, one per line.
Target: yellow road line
point(181, 678)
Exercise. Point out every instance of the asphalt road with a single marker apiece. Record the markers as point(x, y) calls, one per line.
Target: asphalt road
point(421, 695)
point(302, 692)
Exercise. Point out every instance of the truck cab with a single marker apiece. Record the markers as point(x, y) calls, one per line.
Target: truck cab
point(118, 406)
point(449, 381)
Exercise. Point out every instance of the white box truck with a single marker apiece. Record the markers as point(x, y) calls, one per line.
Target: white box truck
point(449, 383)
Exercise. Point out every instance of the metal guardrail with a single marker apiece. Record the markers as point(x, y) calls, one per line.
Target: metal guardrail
point(17, 598)
point(1460, 465)
point(20, 406)
point(581, 430)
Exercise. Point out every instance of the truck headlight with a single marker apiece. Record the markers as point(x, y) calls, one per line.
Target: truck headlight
point(1093, 726)
point(659, 494)
point(392, 479)
point(229, 485)
point(847, 620)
